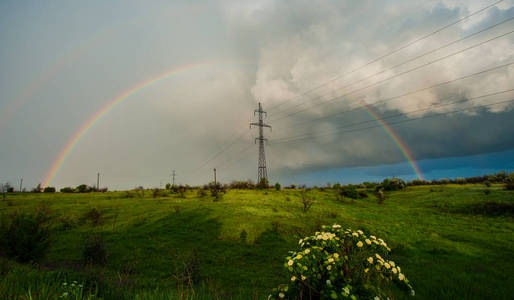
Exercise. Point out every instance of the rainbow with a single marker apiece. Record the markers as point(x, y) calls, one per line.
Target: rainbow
point(73, 141)
point(395, 138)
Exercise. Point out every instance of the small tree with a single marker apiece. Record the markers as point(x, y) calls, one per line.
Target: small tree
point(306, 201)
point(263, 184)
point(37, 189)
point(380, 196)
point(49, 189)
point(67, 190)
point(277, 186)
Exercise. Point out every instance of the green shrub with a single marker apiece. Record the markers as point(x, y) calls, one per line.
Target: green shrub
point(277, 186)
point(393, 184)
point(49, 189)
point(94, 215)
point(350, 192)
point(263, 184)
point(243, 235)
point(94, 252)
point(66, 190)
point(23, 237)
point(339, 264)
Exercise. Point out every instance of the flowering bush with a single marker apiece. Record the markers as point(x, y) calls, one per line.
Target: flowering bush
point(339, 263)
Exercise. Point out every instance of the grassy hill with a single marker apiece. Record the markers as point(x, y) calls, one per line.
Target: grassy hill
point(453, 241)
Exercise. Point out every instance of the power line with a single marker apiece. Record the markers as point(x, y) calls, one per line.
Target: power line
point(388, 53)
point(243, 134)
point(411, 59)
point(399, 122)
point(430, 107)
point(384, 100)
point(397, 75)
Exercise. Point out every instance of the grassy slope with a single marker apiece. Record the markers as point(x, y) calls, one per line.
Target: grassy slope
point(445, 254)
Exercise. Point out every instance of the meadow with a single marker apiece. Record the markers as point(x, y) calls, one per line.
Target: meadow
point(453, 241)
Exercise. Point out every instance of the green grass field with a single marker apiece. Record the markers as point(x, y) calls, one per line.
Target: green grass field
point(453, 241)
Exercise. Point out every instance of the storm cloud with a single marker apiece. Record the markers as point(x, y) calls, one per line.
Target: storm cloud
point(75, 59)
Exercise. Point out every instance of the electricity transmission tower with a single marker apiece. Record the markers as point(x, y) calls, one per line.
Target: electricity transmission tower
point(173, 176)
point(261, 173)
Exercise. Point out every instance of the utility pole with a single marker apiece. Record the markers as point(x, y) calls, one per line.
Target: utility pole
point(98, 181)
point(214, 176)
point(261, 172)
point(21, 185)
point(173, 175)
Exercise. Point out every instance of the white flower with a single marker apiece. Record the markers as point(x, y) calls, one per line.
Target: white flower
point(336, 255)
point(329, 282)
point(281, 295)
point(370, 260)
point(388, 266)
point(293, 278)
point(346, 290)
point(376, 298)
point(360, 244)
point(360, 231)
point(331, 260)
point(329, 267)
point(401, 277)
point(290, 262)
point(307, 251)
point(368, 242)
point(355, 234)
point(300, 241)
point(303, 277)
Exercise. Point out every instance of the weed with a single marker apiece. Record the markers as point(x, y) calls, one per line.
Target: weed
point(23, 237)
point(94, 252)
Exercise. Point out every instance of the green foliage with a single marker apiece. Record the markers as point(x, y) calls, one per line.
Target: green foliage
point(393, 184)
point(509, 182)
point(349, 192)
point(243, 235)
point(67, 190)
point(84, 188)
point(307, 201)
point(381, 196)
point(336, 186)
point(94, 215)
point(263, 184)
point(23, 236)
point(339, 263)
point(37, 189)
point(49, 189)
point(94, 251)
point(277, 186)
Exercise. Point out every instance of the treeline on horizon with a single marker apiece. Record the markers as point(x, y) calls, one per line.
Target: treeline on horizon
point(497, 178)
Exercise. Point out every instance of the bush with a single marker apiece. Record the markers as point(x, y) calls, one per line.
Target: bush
point(350, 192)
point(306, 201)
point(95, 252)
point(509, 182)
point(393, 184)
point(23, 237)
point(263, 184)
point(243, 235)
point(49, 189)
point(66, 190)
point(381, 196)
point(339, 264)
point(94, 215)
point(84, 188)
point(277, 186)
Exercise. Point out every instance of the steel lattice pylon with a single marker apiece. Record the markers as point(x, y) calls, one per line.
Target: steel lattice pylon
point(262, 172)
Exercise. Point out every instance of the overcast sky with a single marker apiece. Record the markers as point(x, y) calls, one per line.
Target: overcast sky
point(63, 61)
